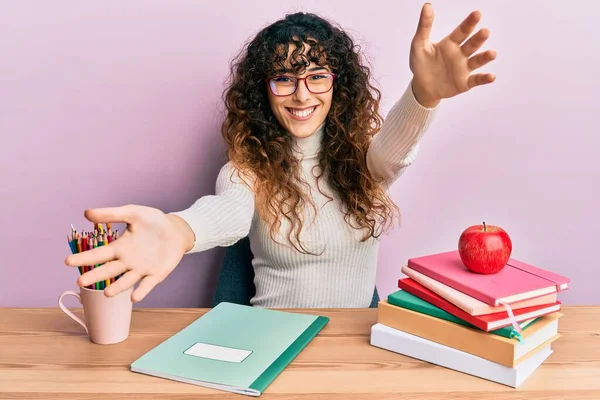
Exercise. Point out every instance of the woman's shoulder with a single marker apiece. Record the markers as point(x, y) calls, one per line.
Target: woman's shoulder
point(230, 173)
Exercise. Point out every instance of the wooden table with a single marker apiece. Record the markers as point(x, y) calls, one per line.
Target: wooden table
point(46, 355)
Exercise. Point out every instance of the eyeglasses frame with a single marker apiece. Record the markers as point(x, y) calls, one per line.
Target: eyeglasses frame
point(334, 76)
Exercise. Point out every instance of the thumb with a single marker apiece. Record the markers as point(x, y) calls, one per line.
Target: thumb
point(425, 24)
point(111, 214)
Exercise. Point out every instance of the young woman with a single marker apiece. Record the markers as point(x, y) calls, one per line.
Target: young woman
point(310, 162)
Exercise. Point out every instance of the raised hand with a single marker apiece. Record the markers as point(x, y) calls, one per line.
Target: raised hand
point(444, 69)
point(148, 251)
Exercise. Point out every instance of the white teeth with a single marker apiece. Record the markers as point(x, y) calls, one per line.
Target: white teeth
point(303, 113)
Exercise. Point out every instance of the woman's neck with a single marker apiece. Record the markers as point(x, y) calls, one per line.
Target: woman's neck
point(311, 145)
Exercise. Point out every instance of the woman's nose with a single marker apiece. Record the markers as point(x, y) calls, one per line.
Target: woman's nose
point(302, 94)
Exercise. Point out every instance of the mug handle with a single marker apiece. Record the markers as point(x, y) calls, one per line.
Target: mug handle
point(68, 312)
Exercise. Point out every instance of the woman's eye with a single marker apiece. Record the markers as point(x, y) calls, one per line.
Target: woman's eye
point(282, 79)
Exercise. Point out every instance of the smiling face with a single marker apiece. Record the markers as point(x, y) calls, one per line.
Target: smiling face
point(302, 112)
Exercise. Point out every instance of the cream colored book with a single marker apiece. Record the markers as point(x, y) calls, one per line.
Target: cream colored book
point(467, 303)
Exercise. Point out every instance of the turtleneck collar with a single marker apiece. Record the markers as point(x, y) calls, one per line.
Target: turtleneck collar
point(311, 145)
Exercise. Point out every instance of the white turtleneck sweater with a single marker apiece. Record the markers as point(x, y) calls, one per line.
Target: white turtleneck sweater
point(343, 276)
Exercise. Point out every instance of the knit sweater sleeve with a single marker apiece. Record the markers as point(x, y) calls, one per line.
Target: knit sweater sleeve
point(225, 217)
point(396, 145)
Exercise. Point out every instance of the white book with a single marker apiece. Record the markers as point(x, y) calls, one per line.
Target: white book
point(395, 340)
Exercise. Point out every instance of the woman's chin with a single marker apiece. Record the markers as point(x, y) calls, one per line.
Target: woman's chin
point(302, 131)
point(300, 134)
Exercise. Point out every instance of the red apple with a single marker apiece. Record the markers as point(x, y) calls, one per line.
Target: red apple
point(484, 249)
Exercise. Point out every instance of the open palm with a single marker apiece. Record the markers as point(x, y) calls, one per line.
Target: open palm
point(445, 69)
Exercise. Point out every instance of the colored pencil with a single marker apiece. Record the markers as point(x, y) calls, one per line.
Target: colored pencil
point(89, 268)
point(97, 284)
point(73, 247)
point(83, 241)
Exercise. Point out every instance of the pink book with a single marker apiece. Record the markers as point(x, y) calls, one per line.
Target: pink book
point(469, 304)
point(517, 281)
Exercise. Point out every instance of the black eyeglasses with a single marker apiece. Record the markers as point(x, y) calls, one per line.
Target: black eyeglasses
point(283, 85)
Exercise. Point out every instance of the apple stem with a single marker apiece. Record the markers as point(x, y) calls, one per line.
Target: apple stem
point(484, 227)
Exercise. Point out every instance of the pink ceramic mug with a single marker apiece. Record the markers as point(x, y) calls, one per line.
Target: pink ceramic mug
point(107, 319)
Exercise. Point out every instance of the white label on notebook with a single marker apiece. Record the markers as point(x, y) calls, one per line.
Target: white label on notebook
point(215, 352)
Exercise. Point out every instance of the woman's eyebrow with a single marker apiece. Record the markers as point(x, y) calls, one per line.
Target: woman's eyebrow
point(287, 70)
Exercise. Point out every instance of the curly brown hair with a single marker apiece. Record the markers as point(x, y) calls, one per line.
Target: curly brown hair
point(259, 147)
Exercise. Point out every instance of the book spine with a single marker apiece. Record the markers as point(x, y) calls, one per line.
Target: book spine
point(479, 295)
point(457, 312)
point(438, 312)
point(289, 354)
point(455, 300)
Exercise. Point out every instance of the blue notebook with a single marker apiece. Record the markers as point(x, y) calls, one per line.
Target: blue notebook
point(235, 348)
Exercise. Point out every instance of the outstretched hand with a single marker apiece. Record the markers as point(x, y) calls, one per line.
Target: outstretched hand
point(148, 251)
point(444, 69)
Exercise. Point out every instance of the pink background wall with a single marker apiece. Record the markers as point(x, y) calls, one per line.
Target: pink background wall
point(111, 102)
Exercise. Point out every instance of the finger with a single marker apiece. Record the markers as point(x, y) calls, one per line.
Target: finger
point(125, 214)
point(425, 24)
point(101, 273)
point(475, 42)
point(480, 79)
point(99, 255)
point(145, 286)
point(481, 59)
point(122, 284)
point(464, 29)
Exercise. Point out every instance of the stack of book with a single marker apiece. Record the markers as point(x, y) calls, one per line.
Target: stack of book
point(498, 327)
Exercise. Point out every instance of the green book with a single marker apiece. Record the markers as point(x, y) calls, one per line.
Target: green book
point(235, 348)
point(402, 298)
